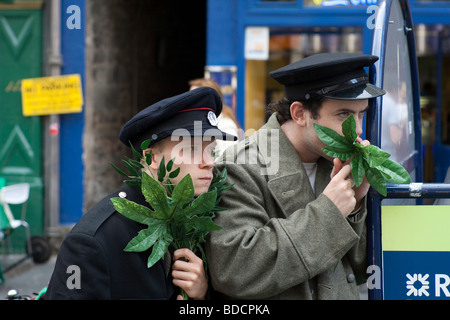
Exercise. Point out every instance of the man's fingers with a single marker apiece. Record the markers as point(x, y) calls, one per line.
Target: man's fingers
point(363, 142)
point(343, 173)
point(352, 182)
point(337, 165)
point(184, 253)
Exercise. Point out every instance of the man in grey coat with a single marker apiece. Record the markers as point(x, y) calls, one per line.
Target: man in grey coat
point(294, 224)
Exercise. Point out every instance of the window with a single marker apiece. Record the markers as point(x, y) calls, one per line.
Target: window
point(287, 46)
point(398, 136)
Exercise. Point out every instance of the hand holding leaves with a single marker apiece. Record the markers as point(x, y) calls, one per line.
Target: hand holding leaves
point(173, 222)
point(369, 160)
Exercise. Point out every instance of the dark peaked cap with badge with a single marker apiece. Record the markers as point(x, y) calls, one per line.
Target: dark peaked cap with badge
point(193, 113)
point(328, 75)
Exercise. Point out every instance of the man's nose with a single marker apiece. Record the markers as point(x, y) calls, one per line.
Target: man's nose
point(359, 125)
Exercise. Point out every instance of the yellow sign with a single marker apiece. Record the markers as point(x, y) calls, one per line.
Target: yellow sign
point(52, 95)
point(415, 228)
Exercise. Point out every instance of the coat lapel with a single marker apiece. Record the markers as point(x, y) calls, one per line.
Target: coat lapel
point(289, 185)
point(285, 183)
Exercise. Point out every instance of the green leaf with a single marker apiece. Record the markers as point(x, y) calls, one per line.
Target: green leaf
point(182, 194)
point(204, 203)
point(349, 129)
point(133, 183)
point(135, 153)
point(135, 163)
point(174, 173)
point(169, 165)
point(170, 186)
point(331, 138)
point(184, 191)
point(162, 170)
point(204, 224)
point(156, 196)
point(341, 154)
point(376, 180)
point(219, 181)
point(144, 240)
point(145, 144)
point(158, 251)
point(148, 157)
point(132, 210)
point(357, 168)
point(394, 172)
point(202, 252)
point(130, 168)
point(118, 170)
point(374, 156)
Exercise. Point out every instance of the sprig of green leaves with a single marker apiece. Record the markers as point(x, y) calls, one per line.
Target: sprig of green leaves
point(369, 160)
point(174, 222)
point(175, 218)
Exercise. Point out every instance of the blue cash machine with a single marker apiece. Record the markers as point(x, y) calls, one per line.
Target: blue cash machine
point(408, 238)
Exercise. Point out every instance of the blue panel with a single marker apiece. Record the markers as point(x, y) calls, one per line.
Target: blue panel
point(416, 275)
point(431, 14)
point(221, 32)
point(72, 125)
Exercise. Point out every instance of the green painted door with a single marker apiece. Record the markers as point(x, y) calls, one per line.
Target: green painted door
point(20, 137)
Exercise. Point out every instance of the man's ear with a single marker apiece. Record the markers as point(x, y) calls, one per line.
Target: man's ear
point(155, 157)
point(298, 113)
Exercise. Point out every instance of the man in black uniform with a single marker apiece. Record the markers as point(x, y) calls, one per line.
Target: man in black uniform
point(93, 250)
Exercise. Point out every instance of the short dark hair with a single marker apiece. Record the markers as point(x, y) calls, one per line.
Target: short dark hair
point(283, 106)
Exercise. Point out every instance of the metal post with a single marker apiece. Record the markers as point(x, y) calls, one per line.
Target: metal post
point(51, 125)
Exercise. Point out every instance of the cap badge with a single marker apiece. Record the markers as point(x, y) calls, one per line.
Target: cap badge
point(212, 118)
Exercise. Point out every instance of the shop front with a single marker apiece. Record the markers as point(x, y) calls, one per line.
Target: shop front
point(255, 37)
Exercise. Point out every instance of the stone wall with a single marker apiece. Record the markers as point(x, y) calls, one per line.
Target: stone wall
point(137, 53)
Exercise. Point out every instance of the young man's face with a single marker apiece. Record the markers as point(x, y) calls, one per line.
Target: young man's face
point(193, 156)
point(332, 114)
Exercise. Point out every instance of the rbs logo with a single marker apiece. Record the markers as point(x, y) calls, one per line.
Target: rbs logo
point(418, 285)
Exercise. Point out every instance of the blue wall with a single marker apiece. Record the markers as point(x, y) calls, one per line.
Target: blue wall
point(221, 44)
point(72, 125)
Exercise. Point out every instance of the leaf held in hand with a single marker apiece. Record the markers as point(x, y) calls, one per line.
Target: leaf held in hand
point(376, 180)
point(341, 154)
point(369, 160)
point(144, 240)
point(133, 211)
point(155, 195)
point(331, 137)
point(357, 168)
point(374, 156)
point(349, 129)
point(159, 250)
point(394, 173)
point(184, 191)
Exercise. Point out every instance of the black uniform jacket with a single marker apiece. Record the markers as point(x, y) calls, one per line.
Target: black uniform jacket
point(93, 252)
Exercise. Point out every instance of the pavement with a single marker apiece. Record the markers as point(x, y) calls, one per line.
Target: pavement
point(28, 278)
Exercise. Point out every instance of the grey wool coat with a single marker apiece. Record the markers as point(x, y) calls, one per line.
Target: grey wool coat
point(280, 239)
